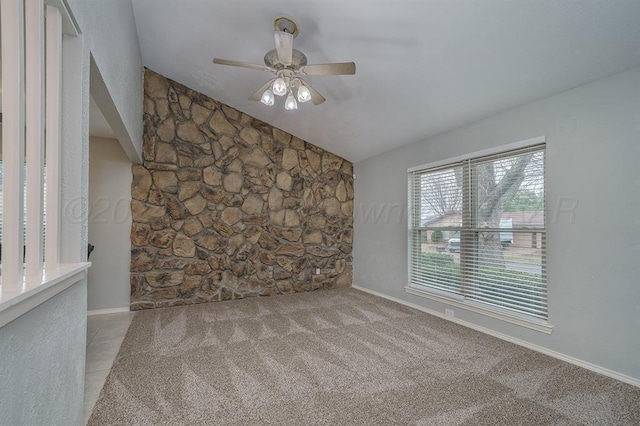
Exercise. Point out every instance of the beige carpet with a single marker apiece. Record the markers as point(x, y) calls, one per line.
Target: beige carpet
point(341, 357)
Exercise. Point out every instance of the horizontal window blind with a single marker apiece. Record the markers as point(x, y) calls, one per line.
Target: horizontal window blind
point(31, 42)
point(44, 207)
point(436, 216)
point(477, 231)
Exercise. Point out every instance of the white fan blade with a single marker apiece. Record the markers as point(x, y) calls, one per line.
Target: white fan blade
point(316, 98)
point(258, 95)
point(241, 64)
point(284, 46)
point(340, 68)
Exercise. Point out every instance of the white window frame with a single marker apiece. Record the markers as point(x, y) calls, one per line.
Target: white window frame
point(32, 56)
point(454, 299)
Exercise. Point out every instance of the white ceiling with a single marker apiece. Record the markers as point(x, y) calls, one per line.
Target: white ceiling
point(423, 66)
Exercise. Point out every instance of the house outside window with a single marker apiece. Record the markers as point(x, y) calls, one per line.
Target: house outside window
point(477, 233)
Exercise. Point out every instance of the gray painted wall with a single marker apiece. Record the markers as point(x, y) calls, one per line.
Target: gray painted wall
point(110, 32)
point(109, 225)
point(42, 357)
point(593, 151)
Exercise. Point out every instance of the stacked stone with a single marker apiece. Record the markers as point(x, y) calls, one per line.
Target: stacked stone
point(226, 206)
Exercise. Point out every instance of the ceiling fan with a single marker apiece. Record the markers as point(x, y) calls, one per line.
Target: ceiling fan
point(288, 64)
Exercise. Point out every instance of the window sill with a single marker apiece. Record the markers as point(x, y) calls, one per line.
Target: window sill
point(18, 299)
point(538, 325)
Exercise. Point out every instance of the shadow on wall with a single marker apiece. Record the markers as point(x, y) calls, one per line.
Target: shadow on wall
point(226, 206)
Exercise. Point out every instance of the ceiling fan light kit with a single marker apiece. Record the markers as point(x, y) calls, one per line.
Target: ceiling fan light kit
point(279, 87)
point(267, 97)
point(287, 63)
point(290, 103)
point(285, 84)
point(303, 93)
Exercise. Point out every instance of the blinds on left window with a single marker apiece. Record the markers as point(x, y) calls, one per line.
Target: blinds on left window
point(31, 53)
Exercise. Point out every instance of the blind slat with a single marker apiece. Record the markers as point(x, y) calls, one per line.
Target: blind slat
point(477, 229)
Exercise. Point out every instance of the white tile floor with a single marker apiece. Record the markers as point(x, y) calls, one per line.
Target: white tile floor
point(104, 337)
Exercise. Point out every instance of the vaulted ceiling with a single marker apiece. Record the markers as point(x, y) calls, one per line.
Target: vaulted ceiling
point(423, 66)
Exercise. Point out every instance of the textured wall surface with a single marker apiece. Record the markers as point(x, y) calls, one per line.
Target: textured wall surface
point(42, 355)
point(226, 206)
point(116, 55)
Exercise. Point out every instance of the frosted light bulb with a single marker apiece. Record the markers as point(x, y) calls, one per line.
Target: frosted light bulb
point(303, 94)
point(267, 97)
point(290, 103)
point(279, 87)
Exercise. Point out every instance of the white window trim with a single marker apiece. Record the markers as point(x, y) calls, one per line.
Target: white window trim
point(469, 305)
point(483, 153)
point(494, 312)
point(18, 300)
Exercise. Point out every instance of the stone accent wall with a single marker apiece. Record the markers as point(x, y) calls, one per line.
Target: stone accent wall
point(225, 206)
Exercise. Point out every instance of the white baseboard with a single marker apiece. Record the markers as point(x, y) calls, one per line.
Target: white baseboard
point(107, 311)
point(571, 360)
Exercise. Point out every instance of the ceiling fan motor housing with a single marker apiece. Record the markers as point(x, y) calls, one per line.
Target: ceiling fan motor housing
point(298, 60)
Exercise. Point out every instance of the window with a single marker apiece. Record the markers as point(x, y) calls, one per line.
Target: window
point(44, 207)
point(477, 232)
point(34, 101)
